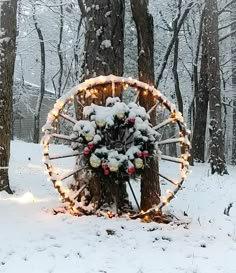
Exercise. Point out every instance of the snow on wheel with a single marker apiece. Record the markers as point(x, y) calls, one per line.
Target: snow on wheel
point(106, 148)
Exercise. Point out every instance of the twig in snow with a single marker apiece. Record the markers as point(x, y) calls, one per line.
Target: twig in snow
point(227, 209)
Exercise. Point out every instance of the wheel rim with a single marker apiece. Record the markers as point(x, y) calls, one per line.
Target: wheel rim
point(172, 117)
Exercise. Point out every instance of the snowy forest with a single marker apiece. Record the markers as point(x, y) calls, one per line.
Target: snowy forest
point(123, 111)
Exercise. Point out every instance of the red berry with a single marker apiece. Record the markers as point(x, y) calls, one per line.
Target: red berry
point(86, 151)
point(132, 120)
point(106, 172)
point(131, 170)
point(91, 145)
point(145, 153)
point(140, 154)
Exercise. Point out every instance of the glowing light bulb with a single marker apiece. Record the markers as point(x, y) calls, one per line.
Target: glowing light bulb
point(55, 113)
point(27, 198)
point(58, 183)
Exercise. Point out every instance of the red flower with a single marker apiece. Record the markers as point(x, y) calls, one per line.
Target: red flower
point(91, 145)
point(131, 170)
point(106, 172)
point(86, 151)
point(132, 120)
point(140, 154)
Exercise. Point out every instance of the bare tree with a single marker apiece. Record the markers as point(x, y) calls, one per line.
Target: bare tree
point(217, 158)
point(144, 25)
point(233, 51)
point(202, 99)
point(59, 51)
point(176, 60)
point(42, 78)
point(7, 60)
point(178, 23)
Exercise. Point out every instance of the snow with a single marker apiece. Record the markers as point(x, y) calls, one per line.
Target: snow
point(106, 44)
point(36, 241)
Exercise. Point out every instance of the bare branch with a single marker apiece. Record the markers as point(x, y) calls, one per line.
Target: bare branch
point(225, 7)
point(180, 21)
point(228, 25)
point(227, 36)
point(82, 7)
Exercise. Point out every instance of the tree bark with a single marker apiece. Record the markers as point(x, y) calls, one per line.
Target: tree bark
point(233, 52)
point(150, 186)
point(59, 51)
point(217, 157)
point(104, 49)
point(202, 99)
point(36, 136)
point(176, 77)
point(7, 61)
point(104, 55)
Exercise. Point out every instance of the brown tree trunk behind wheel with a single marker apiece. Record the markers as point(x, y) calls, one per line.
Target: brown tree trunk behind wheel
point(104, 55)
point(150, 186)
point(7, 61)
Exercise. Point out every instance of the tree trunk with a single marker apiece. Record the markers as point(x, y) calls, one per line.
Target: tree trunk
point(202, 99)
point(233, 52)
point(104, 49)
point(176, 77)
point(59, 52)
point(104, 55)
point(7, 61)
point(36, 136)
point(217, 157)
point(150, 187)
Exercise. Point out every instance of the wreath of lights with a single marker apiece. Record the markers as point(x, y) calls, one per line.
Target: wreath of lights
point(119, 157)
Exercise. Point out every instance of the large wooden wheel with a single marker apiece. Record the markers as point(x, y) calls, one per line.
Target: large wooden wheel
point(62, 160)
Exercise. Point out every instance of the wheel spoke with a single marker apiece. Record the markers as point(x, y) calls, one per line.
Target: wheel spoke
point(172, 159)
point(166, 178)
point(79, 192)
point(171, 140)
point(135, 198)
point(69, 174)
point(64, 137)
point(71, 119)
point(153, 108)
point(137, 97)
point(54, 157)
point(165, 122)
point(79, 102)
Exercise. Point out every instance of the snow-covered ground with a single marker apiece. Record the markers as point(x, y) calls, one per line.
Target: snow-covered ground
point(33, 240)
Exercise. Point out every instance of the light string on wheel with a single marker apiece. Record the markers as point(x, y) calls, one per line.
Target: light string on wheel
point(90, 88)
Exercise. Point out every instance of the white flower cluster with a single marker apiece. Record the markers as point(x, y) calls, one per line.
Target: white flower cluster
point(116, 137)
